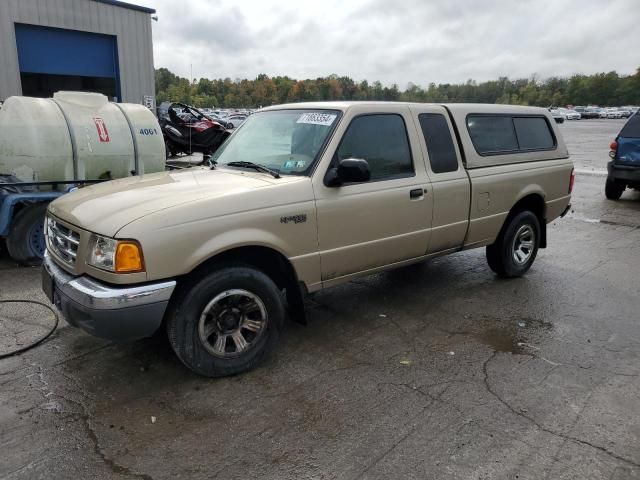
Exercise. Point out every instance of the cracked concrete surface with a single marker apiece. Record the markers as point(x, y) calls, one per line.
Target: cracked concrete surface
point(434, 371)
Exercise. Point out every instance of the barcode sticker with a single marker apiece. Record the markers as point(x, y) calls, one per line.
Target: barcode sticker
point(317, 118)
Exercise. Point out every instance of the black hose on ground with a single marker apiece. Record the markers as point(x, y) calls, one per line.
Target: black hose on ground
point(40, 340)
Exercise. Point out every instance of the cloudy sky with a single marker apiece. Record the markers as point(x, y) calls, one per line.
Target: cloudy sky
point(395, 41)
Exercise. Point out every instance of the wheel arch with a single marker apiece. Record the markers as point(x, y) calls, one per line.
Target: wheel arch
point(269, 261)
point(533, 202)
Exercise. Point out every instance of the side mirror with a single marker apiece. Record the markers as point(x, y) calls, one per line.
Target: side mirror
point(349, 170)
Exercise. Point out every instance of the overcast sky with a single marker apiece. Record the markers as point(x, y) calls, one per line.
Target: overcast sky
point(396, 41)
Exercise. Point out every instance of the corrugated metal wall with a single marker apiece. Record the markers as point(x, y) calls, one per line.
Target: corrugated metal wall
point(132, 28)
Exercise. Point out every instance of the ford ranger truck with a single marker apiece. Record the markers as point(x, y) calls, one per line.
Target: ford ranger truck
point(300, 198)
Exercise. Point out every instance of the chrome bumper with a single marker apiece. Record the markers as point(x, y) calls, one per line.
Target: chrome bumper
point(108, 311)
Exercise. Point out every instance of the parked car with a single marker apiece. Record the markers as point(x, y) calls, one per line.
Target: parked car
point(590, 113)
point(236, 120)
point(613, 113)
point(303, 197)
point(571, 114)
point(624, 167)
point(624, 112)
point(557, 115)
point(602, 112)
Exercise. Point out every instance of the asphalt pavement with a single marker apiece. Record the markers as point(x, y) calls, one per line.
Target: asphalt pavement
point(435, 371)
point(588, 142)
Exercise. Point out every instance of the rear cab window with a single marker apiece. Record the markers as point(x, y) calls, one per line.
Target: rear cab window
point(533, 133)
point(437, 136)
point(495, 134)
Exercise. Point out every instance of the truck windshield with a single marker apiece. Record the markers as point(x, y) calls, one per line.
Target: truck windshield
point(287, 141)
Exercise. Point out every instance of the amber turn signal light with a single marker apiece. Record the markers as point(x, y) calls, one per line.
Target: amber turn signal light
point(128, 257)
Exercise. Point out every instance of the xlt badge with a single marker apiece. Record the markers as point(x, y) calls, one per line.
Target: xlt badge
point(294, 218)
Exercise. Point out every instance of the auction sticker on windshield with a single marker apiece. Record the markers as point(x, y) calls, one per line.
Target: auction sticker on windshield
point(291, 164)
point(317, 118)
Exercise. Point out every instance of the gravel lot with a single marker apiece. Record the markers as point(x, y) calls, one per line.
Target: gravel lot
point(435, 371)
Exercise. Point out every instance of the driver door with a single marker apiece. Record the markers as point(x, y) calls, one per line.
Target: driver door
point(367, 225)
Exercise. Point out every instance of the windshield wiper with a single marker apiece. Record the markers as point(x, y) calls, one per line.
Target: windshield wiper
point(255, 166)
point(209, 161)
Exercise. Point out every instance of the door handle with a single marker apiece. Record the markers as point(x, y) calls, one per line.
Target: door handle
point(417, 192)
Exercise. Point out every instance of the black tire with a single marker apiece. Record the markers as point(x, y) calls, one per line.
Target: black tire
point(25, 242)
point(191, 300)
point(492, 258)
point(523, 228)
point(170, 149)
point(613, 188)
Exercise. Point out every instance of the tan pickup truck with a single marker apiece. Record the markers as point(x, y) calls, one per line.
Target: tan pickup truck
point(300, 198)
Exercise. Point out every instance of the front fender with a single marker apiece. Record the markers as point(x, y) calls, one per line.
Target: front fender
point(231, 239)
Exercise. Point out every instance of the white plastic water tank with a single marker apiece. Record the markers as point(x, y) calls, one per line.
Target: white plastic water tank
point(78, 136)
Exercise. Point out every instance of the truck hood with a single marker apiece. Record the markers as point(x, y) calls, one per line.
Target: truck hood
point(107, 207)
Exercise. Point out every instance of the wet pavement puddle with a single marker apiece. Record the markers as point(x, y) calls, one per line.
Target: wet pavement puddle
point(514, 337)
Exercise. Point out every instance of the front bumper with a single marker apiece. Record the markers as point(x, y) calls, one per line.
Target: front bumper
point(630, 173)
point(119, 313)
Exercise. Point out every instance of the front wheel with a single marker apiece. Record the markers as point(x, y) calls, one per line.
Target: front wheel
point(226, 322)
point(515, 249)
point(613, 188)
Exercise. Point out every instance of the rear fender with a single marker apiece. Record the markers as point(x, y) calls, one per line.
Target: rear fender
point(8, 204)
point(531, 198)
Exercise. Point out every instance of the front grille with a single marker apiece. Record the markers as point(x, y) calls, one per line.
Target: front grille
point(62, 241)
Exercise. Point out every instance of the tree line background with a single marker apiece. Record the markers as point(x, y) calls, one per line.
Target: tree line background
point(603, 89)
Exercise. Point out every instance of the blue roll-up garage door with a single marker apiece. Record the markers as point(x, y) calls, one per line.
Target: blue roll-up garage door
point(53, 59)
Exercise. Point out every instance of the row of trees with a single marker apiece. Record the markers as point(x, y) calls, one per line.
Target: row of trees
point(604, 89)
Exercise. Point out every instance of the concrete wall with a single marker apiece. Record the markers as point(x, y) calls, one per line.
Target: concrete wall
point(131, 27)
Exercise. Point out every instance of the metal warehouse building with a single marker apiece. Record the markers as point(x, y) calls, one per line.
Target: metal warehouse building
point(83, 45)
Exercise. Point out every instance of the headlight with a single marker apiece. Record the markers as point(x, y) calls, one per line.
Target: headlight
point(118, 256)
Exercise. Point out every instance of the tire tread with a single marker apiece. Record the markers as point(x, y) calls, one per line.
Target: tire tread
point(179, 319)
point(499, 253)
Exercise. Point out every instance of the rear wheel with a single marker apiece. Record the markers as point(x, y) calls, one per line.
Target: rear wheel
point(25, 242)
point(515, 249)
point(613, 188)
point(226, 322)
